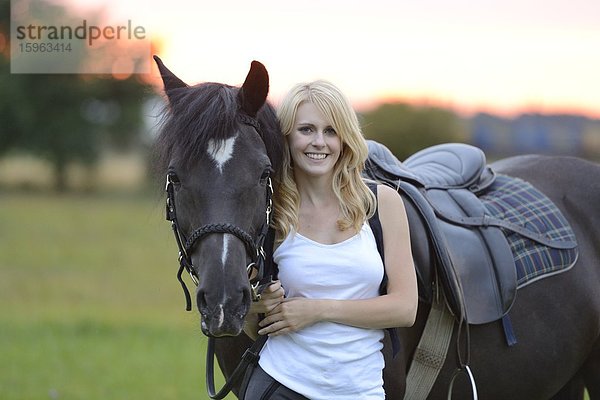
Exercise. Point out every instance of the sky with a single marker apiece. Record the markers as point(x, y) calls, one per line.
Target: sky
point(502, 56)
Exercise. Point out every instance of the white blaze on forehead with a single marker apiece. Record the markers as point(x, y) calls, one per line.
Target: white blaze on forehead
point(221, 151)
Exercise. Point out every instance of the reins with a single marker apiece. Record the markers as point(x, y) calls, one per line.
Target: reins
point(255, 249)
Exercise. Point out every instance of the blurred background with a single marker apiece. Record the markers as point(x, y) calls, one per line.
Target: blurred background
point(89, 304)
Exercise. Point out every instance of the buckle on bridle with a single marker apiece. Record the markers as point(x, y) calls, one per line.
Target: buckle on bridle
point(254, 281)
point(189, 270)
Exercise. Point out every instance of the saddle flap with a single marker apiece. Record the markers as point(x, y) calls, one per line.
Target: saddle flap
point(481, 257)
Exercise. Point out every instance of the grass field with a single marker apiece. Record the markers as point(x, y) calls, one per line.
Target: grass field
point(89, 304)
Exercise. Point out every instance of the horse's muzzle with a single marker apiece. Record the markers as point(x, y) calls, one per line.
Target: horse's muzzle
point(223, 318)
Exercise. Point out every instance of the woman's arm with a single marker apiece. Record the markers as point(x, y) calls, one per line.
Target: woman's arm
point(395, 309)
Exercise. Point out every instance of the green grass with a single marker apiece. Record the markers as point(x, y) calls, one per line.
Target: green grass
point(89, 304)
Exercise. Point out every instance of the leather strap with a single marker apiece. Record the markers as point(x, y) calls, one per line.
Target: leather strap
point(375, 225)
point(431, 351)
point(251, 356)
point(486, 220)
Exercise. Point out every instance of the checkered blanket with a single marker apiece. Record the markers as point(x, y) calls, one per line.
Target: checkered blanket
point(519, 202)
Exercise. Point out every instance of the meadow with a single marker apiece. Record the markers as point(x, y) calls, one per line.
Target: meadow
point(89, 304)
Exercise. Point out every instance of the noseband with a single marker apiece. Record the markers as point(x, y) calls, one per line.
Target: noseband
point(254, 247)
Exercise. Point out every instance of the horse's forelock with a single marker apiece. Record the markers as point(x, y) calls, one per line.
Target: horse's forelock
point(205, 112)
point(197, 115)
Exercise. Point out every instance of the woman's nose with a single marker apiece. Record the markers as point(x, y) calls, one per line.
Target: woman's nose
point(318, 139)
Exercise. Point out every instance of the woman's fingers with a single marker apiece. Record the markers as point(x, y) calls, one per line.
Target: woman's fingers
point(269, 299)
point(290, 315)
point(277, 328)
point(273, 292)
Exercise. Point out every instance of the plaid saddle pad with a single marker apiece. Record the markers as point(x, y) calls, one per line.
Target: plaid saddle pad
point(517, 201)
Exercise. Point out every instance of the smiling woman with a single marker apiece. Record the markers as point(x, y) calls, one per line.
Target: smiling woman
point(325, 335)
point(314, 145)
point(332, 122)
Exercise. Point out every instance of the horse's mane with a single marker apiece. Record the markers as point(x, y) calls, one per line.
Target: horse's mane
point(207, 111)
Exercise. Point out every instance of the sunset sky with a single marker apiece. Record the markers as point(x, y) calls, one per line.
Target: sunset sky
point(503, 56)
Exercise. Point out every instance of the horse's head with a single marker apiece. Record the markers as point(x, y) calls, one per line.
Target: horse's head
point(219, 147)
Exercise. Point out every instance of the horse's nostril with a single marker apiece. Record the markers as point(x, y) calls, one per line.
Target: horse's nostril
point(201, 301)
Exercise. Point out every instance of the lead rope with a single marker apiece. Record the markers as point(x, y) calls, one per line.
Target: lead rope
point(250, 356)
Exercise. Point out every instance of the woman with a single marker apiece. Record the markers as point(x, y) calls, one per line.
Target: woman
point(325, 334)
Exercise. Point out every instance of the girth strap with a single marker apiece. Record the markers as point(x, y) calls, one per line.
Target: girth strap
point(431, 352)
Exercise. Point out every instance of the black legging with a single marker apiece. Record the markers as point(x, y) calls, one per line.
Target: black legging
point(262, 387)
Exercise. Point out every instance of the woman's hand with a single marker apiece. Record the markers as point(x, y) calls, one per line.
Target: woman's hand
point(269, 299)
point(289, 316)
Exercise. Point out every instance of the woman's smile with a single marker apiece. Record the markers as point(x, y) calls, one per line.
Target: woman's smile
point(314, 143)
point(316, 156)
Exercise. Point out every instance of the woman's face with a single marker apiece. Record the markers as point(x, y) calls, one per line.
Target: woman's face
point(314, 145)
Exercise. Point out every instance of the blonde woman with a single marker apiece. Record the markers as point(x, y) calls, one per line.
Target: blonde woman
point(325, 316)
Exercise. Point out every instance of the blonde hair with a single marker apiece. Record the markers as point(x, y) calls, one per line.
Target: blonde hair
point(357, 202)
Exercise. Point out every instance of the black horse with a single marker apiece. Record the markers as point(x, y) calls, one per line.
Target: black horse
point(219, 144)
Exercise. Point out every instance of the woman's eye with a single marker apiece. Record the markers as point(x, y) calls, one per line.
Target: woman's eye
point(330, 132)
point(304, 129)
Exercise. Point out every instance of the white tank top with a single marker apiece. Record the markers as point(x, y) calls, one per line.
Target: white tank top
point(329, 360)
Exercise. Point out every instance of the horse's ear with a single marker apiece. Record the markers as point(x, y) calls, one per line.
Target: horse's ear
point(170, 81)
point(253, 92)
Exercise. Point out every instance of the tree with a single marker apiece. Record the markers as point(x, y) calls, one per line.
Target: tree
point(65, 117)
point(406, 129)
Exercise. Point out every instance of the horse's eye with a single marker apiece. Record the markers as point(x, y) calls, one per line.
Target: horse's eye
point(265, 175)
point(173, 178)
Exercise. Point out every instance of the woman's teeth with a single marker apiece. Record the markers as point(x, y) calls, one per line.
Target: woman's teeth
point(316, 156)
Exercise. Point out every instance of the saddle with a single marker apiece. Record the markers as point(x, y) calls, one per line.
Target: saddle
point(475, 263)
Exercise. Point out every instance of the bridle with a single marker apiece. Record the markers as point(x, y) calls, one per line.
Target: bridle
point(257, 276)
point(254, 247)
